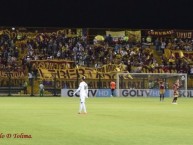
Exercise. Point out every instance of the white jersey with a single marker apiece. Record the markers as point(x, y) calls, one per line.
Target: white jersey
point(83, 88)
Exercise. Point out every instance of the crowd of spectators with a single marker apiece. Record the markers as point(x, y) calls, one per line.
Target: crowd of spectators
point(17, 53)
point(9, 53)
point(182, 59)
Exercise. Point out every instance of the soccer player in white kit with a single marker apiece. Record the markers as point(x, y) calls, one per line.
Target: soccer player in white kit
point(83, 89)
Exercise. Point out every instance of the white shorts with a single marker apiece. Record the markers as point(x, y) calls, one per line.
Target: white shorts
point(82, 98)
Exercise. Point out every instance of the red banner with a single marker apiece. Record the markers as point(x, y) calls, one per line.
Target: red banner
point(160, 33)
point(184, 34)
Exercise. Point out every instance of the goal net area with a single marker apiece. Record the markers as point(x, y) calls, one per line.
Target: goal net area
point(148, 84)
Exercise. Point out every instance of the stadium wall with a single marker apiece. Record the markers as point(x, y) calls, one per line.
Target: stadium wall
point(127, 93)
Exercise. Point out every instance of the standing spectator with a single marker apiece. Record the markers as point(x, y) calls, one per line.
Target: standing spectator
point(128, 66)
point(163, 46)
point(35, 72)
point(191, 70)
point(25, 87)
point(41, 87)
point(112, 86)
point(143, 43)
point(157, 44)
point(30, 77)
point(161, 90)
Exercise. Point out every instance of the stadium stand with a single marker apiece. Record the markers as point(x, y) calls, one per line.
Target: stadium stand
point(75, 55)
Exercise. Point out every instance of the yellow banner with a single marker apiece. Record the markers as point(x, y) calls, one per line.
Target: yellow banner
point(134, 35)
point(52, 64)
point(116, 33)
point(105, 72)
point(13, 74)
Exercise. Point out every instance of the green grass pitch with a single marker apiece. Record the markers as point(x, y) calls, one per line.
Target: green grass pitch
point(110, 121)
